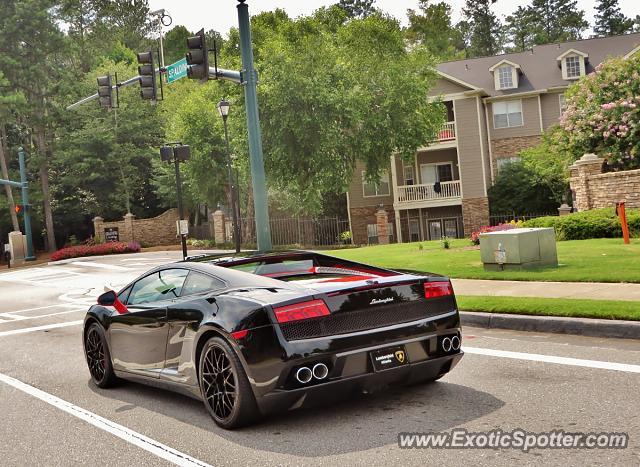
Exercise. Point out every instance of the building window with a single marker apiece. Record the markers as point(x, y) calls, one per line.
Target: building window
point(503, 161)
point(563, 103)
point(372, 233)
point(408, 173)
point(572, 66)
point(414, 230)
point(505, 77)
point(380, 188)
point(507, 114)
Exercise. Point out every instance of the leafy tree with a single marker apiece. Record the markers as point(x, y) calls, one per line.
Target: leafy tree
point(431, 27)
point(518, 189)
point(602, 114)
point(485, 28)
point(519, 29)
point(357, 8)
point(175, 44)
point(610, 21)
point(556, 21)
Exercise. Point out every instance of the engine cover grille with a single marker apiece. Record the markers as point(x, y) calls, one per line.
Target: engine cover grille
point(365, 319)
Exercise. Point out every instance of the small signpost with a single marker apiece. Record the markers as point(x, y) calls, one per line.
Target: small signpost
point(177, 70)
point(111, 234)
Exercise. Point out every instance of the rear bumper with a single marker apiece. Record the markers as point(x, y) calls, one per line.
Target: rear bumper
point(336, 389)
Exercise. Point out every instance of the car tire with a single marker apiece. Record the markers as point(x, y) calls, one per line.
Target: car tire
point(224, 385)
point(98, 358)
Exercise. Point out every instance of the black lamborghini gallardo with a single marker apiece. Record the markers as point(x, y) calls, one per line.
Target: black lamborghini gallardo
point(255, 333)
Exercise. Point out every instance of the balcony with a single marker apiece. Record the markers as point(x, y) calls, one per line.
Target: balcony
point(447, 133)
point(425, 195)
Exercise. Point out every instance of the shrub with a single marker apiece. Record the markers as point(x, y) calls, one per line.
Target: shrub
point(597, 223)
point(95, 250)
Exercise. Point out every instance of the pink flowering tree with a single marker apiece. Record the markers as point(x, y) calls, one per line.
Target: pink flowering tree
point(602, 114)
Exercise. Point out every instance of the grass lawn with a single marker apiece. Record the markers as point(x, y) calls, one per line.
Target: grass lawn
point(596, 260)
point(605, 309)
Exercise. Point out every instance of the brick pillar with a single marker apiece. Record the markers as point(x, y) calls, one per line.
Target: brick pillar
point(212, 232)
point(564, 209)
point(475, 214)
point(98, 229)
point(382, 219)
point(580, 171)
point(218, 227)
point(129, 234)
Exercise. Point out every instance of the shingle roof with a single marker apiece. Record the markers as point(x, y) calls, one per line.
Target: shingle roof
point(540, 69)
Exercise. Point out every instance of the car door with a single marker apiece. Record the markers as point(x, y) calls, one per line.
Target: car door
point(139, 338)
point(184, 316)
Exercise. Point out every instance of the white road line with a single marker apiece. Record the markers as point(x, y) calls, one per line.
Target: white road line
point(161, 450)
point(554, 359)
point(100, 266)
point(22, 318)
point(38, 308)
point(40, 328)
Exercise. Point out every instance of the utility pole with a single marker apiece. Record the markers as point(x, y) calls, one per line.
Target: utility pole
point(25, 201)
point(258, 182)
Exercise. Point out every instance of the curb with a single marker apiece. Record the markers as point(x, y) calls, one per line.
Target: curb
point(577, 326)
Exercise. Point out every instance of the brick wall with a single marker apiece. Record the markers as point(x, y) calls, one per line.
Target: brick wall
point(509, 147)
point(475, 214)
point(160, 230)
point(362, 216)
point(593, 189)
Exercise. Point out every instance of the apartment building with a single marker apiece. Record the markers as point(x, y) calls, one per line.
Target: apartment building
point(496, 106)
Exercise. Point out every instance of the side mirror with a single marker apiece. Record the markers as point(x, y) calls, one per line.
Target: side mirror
point(108, 298)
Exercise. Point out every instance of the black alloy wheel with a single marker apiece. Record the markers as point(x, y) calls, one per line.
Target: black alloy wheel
point(98, 358)
point(225, 388)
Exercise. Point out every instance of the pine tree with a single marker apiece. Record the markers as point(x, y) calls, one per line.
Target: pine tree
point(431, 27)
point(519, 30)
point(357, 8)
point(610, 21)
point(556, 21)
point(486, 30)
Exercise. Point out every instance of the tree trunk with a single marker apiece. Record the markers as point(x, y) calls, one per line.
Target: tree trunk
point(46, 195)
point(5, 175)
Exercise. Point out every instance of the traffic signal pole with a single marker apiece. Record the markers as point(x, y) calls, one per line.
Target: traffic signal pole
point(258, 179)
point(24, 186)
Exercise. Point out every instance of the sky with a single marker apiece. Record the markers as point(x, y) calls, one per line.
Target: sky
point(221, 15)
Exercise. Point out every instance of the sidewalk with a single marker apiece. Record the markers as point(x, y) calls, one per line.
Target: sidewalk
point(586, 290)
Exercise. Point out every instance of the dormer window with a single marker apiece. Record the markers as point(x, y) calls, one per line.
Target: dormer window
point(505, 75)
point(572, 63)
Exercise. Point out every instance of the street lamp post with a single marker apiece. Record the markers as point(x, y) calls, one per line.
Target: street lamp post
point(223, 109)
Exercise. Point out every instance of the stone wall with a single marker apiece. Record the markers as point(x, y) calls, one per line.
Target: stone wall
point(475, 214)
point(593, 189)
point(160, 230)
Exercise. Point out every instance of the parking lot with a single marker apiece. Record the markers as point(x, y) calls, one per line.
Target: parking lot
point(51, 414)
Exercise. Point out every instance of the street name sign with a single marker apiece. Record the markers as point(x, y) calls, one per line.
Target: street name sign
point(177, 70)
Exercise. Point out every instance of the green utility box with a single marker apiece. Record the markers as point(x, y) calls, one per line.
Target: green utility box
point(517, 249)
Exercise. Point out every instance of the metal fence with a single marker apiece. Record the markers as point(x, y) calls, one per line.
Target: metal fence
point(503, 218)
point(300, 231)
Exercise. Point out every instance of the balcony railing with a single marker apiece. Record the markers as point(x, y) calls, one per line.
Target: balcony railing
point(446, 133)
point(425, 192)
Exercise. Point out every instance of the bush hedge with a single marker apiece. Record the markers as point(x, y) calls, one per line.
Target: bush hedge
point(109, 248)
point(597, 223)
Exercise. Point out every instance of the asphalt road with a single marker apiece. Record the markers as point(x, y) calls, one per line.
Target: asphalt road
point(51, 414)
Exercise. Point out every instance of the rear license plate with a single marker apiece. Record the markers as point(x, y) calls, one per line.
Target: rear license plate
point(389, 357)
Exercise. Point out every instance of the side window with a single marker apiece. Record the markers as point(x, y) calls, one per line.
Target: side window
point(124, 295)
point(198, 283)
point(163, 285)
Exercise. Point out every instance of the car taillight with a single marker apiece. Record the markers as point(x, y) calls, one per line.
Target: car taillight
point(437, 289)
point(304, 310)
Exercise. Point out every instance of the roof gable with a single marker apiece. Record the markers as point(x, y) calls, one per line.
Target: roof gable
point(504, 62)
point(572, 52)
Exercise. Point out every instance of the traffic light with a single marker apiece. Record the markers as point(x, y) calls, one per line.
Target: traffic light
point(18, 208)
point(105, 91)
point(198, 57)
point(147, 72)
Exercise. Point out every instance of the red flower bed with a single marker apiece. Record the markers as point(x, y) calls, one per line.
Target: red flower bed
point(475, 236)
point(111, 248)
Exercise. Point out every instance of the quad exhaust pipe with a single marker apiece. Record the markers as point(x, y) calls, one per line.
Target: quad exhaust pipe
point(451, 343)
point(305, 374)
